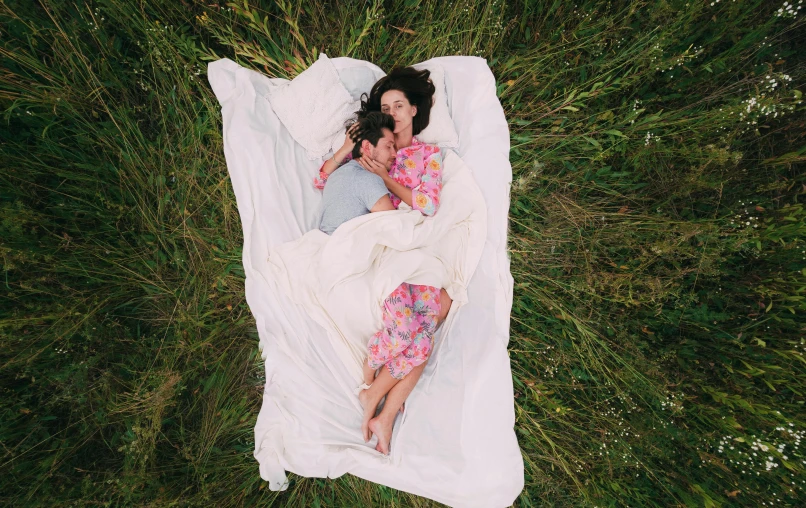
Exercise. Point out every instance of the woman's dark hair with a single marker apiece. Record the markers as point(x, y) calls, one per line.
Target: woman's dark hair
point(370, 127)
point(415, 85)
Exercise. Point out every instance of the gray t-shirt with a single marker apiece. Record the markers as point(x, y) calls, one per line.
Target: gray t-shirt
point(350, 191)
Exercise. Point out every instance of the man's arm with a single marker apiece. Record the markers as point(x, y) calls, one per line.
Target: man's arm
point(382, 205)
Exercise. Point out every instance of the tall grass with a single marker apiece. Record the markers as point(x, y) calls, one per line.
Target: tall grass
point(657, 244)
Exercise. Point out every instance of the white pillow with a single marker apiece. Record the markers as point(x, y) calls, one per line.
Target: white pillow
point(314, 107)
point(440, 130)
point(357, 76)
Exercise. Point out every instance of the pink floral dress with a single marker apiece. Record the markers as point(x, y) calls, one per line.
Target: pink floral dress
point(409, 322)
point(410, 312)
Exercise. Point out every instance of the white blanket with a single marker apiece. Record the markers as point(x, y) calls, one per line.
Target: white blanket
point(342, 280)
point(455, 442)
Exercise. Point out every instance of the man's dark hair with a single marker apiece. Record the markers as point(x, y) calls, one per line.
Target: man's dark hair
point(370, 127)
point(415, 85)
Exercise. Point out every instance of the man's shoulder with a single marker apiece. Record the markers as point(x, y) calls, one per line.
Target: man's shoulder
point(358, 172)
point(351, 166)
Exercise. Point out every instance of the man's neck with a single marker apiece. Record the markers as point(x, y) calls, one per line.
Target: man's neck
point(357, 161)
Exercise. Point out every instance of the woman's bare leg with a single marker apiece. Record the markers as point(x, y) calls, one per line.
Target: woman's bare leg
point(382, 425)
point(371, 397)
point(400, 392)
point(369, 374)
point(396, 392)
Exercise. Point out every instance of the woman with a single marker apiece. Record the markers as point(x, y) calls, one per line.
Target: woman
point(411, 313)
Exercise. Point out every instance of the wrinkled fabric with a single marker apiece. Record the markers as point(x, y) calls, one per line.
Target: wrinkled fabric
point(455, 443)
point(342, 280)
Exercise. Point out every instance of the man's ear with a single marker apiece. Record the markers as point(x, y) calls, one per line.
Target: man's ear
point(366, 147)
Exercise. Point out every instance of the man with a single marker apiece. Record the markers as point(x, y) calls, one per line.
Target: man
point(352, 190)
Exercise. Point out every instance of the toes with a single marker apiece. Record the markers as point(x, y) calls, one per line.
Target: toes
point(383, 434)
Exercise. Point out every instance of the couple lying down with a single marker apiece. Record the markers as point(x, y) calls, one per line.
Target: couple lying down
point(381, 165)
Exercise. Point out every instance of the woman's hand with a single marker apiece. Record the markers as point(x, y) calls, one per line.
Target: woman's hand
point(374, 167)
point(399, 190)
point(349, 144)
point(333, 163)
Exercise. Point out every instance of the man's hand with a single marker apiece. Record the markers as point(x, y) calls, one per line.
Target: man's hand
point(373, 166)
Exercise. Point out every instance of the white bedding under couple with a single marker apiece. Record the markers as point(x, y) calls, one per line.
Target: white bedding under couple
point(316, 299)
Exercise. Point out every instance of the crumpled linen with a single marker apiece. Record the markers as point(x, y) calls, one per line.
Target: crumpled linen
point(455, 443)
point(341, 280)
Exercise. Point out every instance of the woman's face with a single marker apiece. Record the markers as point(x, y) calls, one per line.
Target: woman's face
point(395, 103)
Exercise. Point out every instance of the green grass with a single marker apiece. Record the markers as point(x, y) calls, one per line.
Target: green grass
point(657, 238)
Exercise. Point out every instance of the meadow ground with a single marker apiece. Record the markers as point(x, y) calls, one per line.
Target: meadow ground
point(657, 239)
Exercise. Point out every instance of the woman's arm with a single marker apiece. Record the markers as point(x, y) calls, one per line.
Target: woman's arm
point(339, 158)
point(425, 197)
point(399, 190)
point(404, 193)
point(333, 163)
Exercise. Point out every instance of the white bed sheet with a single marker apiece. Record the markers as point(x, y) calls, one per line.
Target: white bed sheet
point(455, 442)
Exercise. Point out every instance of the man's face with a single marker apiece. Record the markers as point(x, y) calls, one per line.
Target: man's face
point(384, 152)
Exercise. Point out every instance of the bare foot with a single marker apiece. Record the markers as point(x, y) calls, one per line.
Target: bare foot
point(382, 428)
point(369, 411)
